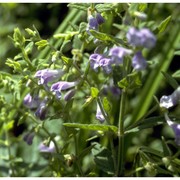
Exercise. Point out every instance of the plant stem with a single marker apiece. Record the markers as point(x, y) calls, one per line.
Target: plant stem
point(120, 167)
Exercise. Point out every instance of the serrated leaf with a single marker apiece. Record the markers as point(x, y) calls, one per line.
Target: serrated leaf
point(162, 27)
point(93, 127)
point(94, 92)
point(104, 7)
point(105, 37)
point(103, 158)
point(170, 80)
point(80, 6)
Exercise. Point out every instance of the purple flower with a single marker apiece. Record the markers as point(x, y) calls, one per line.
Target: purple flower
point(28, 138)
point(49, 149)
point(99, 19)
point(143, 37)
point(68, 96)
point(147, 37)
point(94, 61)
point(47, 75)
point(105, 63)
point(62, 85)
point(31, 102)
point(138, 62)
point(42, 109)
point(112, 90)
point(117, 54)
point(134, 37)
point(175, 127)
point(99, 114)
point(171, 100)
point(92, 23)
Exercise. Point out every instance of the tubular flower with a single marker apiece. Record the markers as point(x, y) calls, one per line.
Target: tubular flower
point(117, 54)
point(62, 85)
point(99, 114)
point(105, 63)
point(47, 75)
point(143, 37)
point(94, 61)
point(31, 102)
point(171, 100)
point(68, 96)
point(42, 109)
point(100, 19)
point(175, 127)
point(138, 62)
point(28, 138)
point(48, 149)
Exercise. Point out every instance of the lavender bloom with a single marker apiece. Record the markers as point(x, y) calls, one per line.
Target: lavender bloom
point(48, 149)
point(93, 23)
point(31, 102)
point(171, 100)
point(148, 38)
point(138, 62)
point(134, 37)
point(47, 75)
point(94, 61)
point(42, 109)
point(99, 114)
point(143, 37)
point(62, 85)
point(68, 96)
point(117, 54)
point(175, 127)
point(28, 138)
point(105, 63)
point(99, 19)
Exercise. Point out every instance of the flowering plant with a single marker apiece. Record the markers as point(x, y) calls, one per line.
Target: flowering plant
point(91, 99)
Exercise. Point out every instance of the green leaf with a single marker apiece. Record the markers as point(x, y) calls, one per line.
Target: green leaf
point(18, 38)
point(142, 7)
point(94, 92)
point(170, 80)
point(104, 7)
point(132, 80)
point(80, 6)
point(146, 123)
point(106, 104)
point(106, 37)
point(162, 27)
point(103, 158)
point(176, 74)
point(93, 127)
point(177, 53)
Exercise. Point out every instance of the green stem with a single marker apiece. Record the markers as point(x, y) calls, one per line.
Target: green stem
point(72, 17)
point(26, 58)
point(120, 167)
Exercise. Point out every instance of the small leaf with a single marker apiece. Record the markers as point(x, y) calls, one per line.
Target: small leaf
point(14, 64)
point(106, 37)
point(176, 74)
point(103, 158)
point(88, 101)
point(170, 80)
point(177, 53)
point(94, 92)
point(94, 127)
point(104, 7)
point(166, 150)
point(80, 6)
point(106, 105)
point(162, 27)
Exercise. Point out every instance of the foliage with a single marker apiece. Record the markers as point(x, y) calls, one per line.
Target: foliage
point(63, 113)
